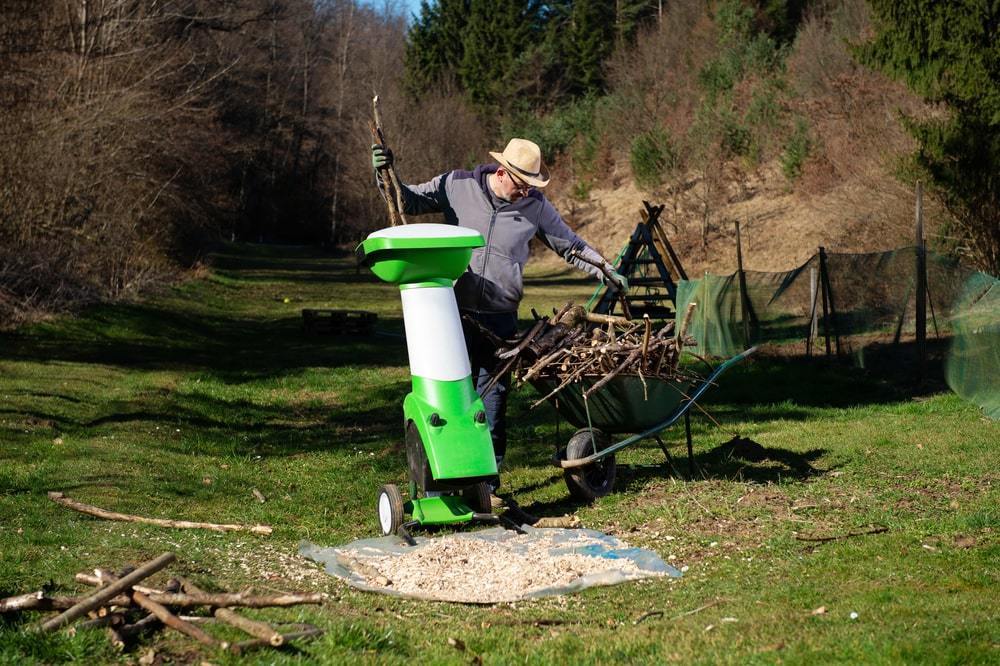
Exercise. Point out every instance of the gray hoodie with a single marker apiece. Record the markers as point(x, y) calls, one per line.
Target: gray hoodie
point(493, 282)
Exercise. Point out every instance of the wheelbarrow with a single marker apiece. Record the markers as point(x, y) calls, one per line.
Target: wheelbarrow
point(626, 404)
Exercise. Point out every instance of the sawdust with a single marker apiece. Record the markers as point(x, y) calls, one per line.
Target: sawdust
point(477, 571)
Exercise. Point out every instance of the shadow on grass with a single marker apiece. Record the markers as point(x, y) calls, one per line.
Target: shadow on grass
point(737, 460)
point(147, 337)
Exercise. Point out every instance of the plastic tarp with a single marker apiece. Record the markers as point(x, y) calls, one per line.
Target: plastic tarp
point(563, 541)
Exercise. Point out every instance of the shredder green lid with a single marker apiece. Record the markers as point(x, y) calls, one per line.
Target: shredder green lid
point(419, 252)
point(419, 237)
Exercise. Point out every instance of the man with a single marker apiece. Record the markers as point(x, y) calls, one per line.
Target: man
point(503, 202)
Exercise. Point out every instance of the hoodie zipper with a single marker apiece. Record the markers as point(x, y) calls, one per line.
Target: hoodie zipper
point(486, 258)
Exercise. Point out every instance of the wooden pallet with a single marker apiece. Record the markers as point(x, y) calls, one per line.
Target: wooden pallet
point(338, 322)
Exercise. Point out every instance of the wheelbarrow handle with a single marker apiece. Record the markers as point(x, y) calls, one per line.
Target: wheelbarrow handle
point(679, 412)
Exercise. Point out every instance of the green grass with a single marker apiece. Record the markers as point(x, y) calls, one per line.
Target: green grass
point(181, 405)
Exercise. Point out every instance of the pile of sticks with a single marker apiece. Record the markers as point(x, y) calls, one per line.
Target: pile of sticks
point(127, 610)
point(575, 345)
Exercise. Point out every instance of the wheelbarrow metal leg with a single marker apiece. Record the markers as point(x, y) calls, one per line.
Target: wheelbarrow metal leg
point(666, 453)
point(687, 433)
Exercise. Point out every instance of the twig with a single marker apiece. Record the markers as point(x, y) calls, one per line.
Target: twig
point(646, 616)
point(98, 512)
point(698, 609)
point(875, 529)
point(611, 375)
point(645, 337)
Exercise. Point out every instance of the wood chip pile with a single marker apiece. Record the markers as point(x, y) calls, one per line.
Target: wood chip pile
point(127, 610)
point(471, 570)
point(575, 345)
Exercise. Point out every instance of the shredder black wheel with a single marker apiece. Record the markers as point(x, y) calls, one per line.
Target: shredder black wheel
point(478, 497)
point(389, 509)
point(591, 481)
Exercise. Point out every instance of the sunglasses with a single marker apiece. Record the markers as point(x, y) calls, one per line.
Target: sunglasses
point(519, 185)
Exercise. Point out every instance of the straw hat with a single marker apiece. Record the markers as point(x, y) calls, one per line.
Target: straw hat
point(524, 159)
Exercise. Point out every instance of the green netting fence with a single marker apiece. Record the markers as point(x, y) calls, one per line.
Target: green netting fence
point(972, 367)
point(846, 304)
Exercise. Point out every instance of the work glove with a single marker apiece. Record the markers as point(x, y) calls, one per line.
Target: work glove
point(619, 281)
point(381, 157)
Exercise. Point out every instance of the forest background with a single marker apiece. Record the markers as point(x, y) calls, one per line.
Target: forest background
point(138, 135)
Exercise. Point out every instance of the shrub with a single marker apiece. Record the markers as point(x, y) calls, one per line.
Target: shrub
point(652, 155)
point(796, 151)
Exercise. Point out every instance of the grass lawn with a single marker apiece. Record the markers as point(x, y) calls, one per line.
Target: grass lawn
point(182, 405)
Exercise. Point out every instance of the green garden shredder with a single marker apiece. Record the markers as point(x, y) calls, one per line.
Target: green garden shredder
point(449, 450)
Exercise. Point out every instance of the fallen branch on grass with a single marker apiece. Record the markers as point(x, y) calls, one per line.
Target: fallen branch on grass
point(125, 609)
point(875, 529)
point(193, 599)
point(98, 512)
point(36, 601)
point(104, 594)
point(261, 630)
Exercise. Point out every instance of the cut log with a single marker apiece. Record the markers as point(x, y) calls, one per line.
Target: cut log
point(98, 512)
point(103, 595)
point(260, 630)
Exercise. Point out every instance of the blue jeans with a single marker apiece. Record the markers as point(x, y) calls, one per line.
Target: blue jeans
point(482, 356)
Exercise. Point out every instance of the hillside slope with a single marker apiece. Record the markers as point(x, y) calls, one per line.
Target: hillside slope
point(780, 228)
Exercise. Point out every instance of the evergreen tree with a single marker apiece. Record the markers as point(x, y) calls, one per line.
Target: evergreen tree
point(435, 43)
point(949, 52)
point(588, 41)
point(500, 45)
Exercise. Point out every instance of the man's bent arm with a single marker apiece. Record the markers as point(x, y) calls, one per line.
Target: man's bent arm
point(558, 237)
point(429, 197)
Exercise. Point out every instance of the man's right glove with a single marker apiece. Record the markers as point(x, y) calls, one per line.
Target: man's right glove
point(620, 281)
point(381, 157)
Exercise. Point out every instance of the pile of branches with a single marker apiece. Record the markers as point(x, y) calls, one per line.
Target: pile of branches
point(575, 345)
point(128, 610)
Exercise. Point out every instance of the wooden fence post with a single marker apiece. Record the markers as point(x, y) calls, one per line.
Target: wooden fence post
point(921, 304)
point(813, 329)
point(823, 293)
point(744, 298)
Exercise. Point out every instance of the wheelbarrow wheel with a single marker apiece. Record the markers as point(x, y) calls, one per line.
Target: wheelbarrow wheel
point(597, 479)
point(390, 509)
point(478, 498)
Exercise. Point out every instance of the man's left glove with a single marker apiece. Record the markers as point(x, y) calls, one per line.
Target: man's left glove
point(619, 280)
point(381, 157)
